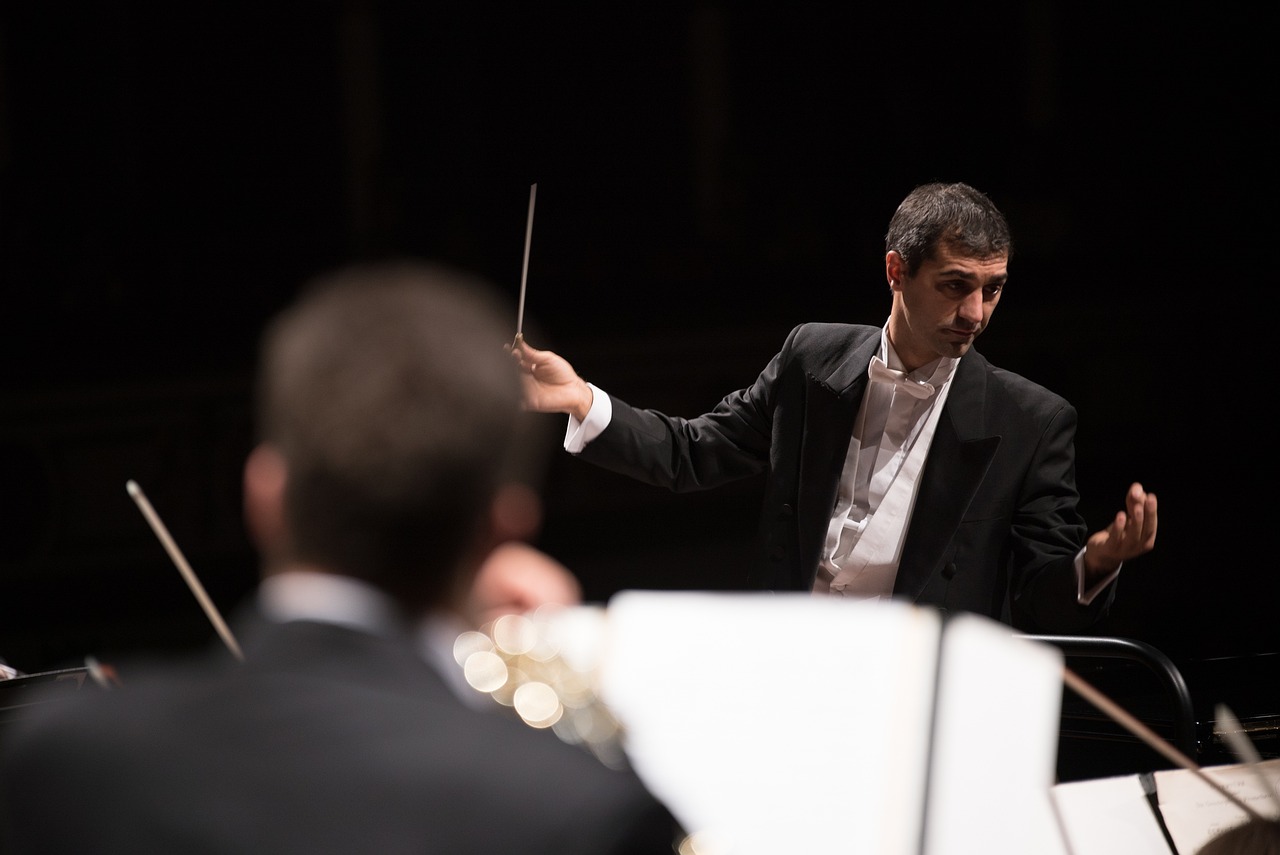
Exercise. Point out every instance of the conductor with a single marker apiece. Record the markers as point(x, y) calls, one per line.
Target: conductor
point(898, 461)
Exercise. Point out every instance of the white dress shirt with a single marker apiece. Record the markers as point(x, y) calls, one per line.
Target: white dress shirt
point(328, 598)
point(891, 438)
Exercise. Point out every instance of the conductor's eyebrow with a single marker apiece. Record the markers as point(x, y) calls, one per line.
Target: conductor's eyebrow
point(961, 273)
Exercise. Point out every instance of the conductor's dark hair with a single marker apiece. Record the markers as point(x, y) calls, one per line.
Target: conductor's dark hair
point(955, 216)
point(389, 393)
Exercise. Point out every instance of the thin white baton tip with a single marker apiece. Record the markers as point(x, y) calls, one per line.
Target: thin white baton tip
point(524, 271)
point(157, 526)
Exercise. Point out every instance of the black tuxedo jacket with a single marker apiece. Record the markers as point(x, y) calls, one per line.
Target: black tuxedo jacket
point(324, 740)
point(995, 528)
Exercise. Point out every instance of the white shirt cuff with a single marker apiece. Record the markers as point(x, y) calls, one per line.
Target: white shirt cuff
point(1084, 597)
point(579, 433)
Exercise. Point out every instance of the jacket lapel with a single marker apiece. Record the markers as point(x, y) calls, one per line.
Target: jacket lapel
point(831, 406)
point(958, 460)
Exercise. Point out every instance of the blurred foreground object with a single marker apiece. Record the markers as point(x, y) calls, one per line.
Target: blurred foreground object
point(748, 715)
point(936, 735)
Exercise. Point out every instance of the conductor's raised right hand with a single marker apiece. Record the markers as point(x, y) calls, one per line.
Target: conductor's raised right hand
point(550, 384)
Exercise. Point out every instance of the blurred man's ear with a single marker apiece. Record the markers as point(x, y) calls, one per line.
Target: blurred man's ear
point(516, 513)
point(514, 518)
point(265, 476)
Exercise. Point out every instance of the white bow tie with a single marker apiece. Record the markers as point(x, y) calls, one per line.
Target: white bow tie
point(881, 373)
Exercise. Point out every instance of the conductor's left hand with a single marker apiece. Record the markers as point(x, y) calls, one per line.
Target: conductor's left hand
point(1131, 533)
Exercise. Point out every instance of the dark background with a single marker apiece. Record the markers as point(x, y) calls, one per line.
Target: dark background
point(709, 174)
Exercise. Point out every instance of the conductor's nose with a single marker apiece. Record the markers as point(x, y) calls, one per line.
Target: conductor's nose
point(971, 308)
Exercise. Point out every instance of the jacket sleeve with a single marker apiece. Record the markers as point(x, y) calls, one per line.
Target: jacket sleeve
point(1046, 535)
point(728, 443)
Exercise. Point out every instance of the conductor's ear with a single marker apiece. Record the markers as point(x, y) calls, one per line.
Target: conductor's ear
point(265, 477)
point(895, 269)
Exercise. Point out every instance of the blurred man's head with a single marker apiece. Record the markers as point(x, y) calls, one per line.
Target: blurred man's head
point(386, 408)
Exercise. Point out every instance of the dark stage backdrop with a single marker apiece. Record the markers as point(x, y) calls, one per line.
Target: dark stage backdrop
point(709, 175)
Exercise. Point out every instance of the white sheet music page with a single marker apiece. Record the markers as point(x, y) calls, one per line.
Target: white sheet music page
point(772, 723)
point(995, 743)
point(1109, 816)
point(1194, 812)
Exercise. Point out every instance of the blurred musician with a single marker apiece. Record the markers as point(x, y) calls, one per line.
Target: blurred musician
point(386, 409)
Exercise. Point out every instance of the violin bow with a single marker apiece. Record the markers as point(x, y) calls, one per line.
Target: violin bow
point(157, 526)
point(1119, 715)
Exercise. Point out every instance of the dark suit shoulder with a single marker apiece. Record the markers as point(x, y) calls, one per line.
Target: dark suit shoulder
point(1022, 392)
point(366, 736)
point(817, 337)
point(987, 400)
point(821, 347)
point(543, 780)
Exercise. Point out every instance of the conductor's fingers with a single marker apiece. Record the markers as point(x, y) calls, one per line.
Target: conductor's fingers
point(1149, 521)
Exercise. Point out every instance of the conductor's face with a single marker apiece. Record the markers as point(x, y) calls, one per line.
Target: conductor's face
point(944, 306)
